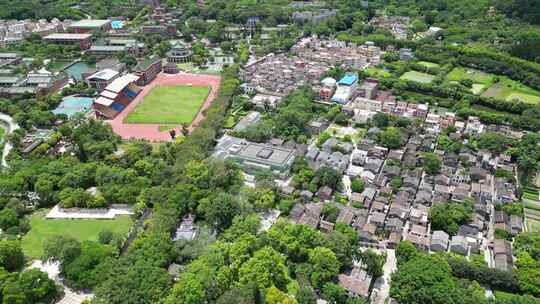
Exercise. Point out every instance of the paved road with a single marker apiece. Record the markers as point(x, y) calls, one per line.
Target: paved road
point(383, 283)
point(346, 180)
point(11, 126)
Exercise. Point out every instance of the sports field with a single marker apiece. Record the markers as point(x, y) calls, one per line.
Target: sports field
point(418, 77)
point(377, 72)
point(476, 76)
point(82, 230)
point(169, 104)
point(508, 89)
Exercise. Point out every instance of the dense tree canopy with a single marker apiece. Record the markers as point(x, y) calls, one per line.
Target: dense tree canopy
point(449, 216)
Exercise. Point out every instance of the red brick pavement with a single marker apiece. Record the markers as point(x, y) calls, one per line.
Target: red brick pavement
point(151, 131)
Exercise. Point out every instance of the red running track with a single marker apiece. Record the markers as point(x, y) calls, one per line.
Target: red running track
point(151, 131)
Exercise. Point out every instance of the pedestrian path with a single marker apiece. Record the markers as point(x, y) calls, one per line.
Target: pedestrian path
point(10, 127)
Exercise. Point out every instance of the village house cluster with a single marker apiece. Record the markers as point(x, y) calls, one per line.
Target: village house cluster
point(397, 25)
point(384, 215)
point(310, 59)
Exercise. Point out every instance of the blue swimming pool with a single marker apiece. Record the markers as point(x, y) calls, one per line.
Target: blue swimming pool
point(71, 105)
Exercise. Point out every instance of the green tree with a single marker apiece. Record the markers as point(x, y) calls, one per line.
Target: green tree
point(8, 219)
point(11, 255)
point(528, 274)
point(431, 163)
point(494, 142)
point(343, 242)
point(105, 236)
point(123, 283)
point(325, 265)
point(260, 198)
point(265, 269)
point(306, 295)
point(295, 241)
point(381, 120)
point(357, 185)
point(405, 251)
point(276, 296)
point(449, 216)
point(44, 187)
point(327, 176)
point(373, 263)
point(62, 248)
point(390, 138)
point(32, 286)
point(241, 225)
point(425, 279)
point(189, 291)
point(334, 293)
point(80, 272)
point(220, 210)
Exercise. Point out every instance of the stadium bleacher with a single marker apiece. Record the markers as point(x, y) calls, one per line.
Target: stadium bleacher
point(116, 96)
point(118, 107)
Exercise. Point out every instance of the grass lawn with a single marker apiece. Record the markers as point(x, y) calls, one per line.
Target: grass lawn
point(476, 76)
point(532, 217)
point(531, 196)
point(229, 122)
point(477, 88)
point(418, 77)
point(125, 144)
point(510, 297)
point(377, 73)
point(428, 64)
point(490, 110)
point(82, 230)
point(524, 97)
point(187, 66)
point(340, 132)
point(533, 225)
point(532, 205)
point(2, 132)
point(509, 89)
point(169, 104)
point(190, 67)
point(57, 65)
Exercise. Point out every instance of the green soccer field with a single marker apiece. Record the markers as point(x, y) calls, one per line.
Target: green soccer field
point(81, 230)
point(169, 104)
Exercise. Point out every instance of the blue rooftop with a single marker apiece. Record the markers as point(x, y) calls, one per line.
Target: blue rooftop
point(348, 80)
point(117, 24)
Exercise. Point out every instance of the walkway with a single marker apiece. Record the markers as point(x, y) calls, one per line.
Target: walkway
point(151, 131)
point(11, 126)
point(99, 214)
point(52, 269)
point(381, 290)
